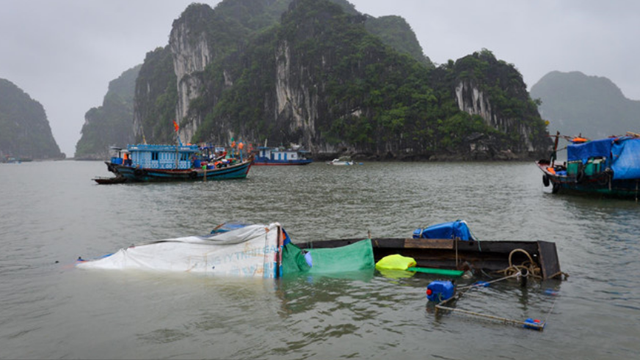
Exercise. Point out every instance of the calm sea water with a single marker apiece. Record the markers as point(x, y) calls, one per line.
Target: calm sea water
point(51, 213)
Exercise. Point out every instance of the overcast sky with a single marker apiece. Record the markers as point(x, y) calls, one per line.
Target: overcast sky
point(63, 53)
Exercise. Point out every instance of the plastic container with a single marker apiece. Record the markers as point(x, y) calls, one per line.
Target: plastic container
point(440, 290)
point(533, 324)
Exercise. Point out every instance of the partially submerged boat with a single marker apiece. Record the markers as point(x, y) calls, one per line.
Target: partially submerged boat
point(267, 251)
point(609, 167)
point(146, 163)
point(280, 156)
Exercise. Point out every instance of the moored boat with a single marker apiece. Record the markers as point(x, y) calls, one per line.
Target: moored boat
point(281, 156)
point(608, 167)
point(147, 163)
point(342, 161)
point(119, 179)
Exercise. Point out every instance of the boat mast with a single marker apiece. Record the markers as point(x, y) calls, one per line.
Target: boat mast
point(555, 148)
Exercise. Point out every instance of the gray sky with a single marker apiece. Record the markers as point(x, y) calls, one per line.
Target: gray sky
point(63, 53)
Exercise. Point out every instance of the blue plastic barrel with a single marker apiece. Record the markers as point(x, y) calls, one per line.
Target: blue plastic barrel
point(440, 290)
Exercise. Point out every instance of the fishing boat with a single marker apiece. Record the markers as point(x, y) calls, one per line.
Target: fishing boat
point(14, 160)
point(608, 167)
point(148, 163)
point(267, 251)
point(281, 156)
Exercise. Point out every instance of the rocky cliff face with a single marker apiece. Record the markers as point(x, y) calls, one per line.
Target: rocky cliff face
point(472, 100)
point(155, 96)
point(318, 79)
point(499, 97)
point(191, 53)
point(110, 124)
point(296, 101)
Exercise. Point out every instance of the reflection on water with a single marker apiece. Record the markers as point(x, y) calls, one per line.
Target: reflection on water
point(52, 310)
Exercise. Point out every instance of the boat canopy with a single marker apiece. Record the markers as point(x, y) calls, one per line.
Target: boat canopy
point(625, 156)
point(621, 154)
point(590, 149)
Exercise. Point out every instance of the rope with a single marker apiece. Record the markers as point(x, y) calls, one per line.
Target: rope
point(540, 327)
point(532, 268)
point(513, 271)
point(489, 282)
point(505, 320)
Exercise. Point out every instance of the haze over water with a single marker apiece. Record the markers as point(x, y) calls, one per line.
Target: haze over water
point(52, 213)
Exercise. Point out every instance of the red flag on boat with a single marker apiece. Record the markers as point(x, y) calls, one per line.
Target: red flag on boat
point(175, 125)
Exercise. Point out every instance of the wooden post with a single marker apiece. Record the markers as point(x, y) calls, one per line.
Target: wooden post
point(524, 273)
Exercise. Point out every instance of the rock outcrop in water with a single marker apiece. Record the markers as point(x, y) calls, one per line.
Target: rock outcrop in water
point(25, 132)
point(312, 72)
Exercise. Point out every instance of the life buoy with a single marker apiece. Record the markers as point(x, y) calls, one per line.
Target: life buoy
point(193, 175)
point(580, 176)
point(545, 180)
point(555, 188)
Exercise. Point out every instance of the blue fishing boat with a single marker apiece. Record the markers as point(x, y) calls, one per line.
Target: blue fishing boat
point(609, 167)
point(147, 163)
point(281, 156)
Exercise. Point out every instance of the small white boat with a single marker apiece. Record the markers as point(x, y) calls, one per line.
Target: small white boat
point(343, 160)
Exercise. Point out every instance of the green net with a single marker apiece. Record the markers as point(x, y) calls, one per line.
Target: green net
point(293, 260)
point(353, 257)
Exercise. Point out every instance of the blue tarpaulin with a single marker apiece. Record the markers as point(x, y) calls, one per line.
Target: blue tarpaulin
point(626, 159)
point(449, 230)
point(594, 148)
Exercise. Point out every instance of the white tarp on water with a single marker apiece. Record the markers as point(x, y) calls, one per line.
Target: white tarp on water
point(249, 251)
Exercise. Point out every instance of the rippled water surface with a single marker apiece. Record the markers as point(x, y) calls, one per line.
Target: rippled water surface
point(52, 212)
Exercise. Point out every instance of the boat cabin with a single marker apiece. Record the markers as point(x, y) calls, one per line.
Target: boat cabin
point(162, 156)
point(280, 154)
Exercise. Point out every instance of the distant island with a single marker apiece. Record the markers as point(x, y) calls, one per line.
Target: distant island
point(591, 106)
point(25, 133)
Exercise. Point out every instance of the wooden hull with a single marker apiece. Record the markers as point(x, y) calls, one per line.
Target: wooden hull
point(113, 180)
point(488, 256)
point(599, 184)
point(238, 171)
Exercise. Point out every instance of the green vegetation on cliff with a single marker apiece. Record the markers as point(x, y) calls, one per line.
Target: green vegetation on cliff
point(112, 123)
point(24, 128)
point(156, 97)
point(395, 32)
point(328, 78)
